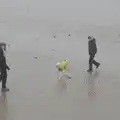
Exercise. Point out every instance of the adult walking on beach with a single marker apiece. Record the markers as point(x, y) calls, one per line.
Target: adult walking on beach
point(3, 69)
point(92, 48)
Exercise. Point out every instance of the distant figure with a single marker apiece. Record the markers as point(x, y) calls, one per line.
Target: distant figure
point(62, 68)
point(92, 52)
point(3, 69)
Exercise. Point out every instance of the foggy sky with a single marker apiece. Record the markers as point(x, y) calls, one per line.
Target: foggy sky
point(94, 11)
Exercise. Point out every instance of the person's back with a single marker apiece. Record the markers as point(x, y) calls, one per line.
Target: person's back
point(92, 47)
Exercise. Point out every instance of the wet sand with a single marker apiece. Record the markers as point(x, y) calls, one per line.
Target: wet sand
point(36, 94)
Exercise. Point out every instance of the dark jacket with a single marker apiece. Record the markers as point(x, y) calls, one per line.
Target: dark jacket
point(3, 65)
point(92, 47)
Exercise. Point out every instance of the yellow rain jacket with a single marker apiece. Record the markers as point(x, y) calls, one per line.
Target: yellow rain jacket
point(63, 66)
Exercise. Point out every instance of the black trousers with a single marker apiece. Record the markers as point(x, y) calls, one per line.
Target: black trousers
point(92, 61)
point(3, 78)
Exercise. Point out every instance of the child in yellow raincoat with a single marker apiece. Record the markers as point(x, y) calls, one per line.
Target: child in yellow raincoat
point(62, 68)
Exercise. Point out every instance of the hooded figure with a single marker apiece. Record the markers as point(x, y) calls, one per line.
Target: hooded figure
point(92, 49)
point(3, 45)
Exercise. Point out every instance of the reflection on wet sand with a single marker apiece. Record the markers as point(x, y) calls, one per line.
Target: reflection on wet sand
point(61, 85)
point(3, 106)
point(90, 81)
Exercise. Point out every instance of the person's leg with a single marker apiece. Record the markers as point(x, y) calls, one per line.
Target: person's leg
point(4, 80)
point(59, 74)
point(90, 62)
point(0, 76)
point(96, 63)
point(65, 73)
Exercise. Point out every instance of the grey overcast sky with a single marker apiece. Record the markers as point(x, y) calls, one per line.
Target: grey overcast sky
point(104, 11)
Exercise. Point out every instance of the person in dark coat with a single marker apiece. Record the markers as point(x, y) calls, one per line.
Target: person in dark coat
point(92, 47)
point(3, 69)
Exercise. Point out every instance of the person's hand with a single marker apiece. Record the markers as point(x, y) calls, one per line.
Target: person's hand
point(8, 68)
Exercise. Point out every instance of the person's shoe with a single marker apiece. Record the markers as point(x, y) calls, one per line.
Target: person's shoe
point(5, 89)
point(89, 70)
point(97, 65)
